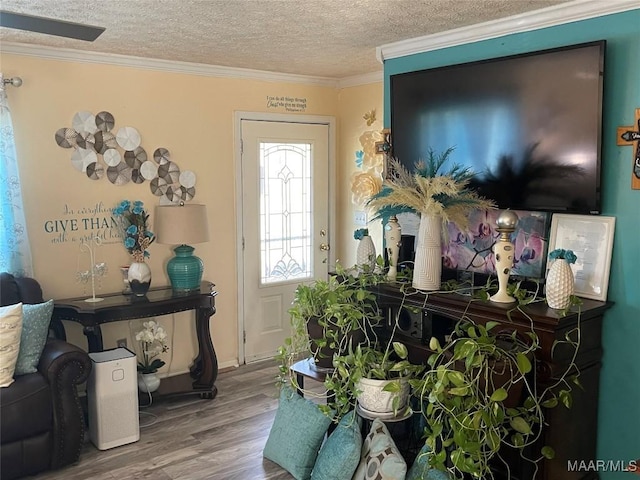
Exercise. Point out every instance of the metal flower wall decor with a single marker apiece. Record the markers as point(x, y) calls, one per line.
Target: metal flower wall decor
point(367, 181)
point(99, 150)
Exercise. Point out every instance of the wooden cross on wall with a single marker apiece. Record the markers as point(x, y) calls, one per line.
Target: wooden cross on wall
point(629, 136)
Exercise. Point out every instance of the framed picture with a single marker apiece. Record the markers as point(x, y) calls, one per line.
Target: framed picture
point(591, 239)
point(472, 249)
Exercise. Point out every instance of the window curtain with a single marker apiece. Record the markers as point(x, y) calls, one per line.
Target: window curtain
point(15, 254)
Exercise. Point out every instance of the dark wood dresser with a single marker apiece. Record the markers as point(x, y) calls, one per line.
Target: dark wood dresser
point(571, 432)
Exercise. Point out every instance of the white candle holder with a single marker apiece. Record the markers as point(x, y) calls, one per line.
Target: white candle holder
point(392, 238)
point(503, 252)
point(96, 270)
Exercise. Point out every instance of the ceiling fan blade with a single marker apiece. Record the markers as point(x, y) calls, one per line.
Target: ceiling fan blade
point(49, 26)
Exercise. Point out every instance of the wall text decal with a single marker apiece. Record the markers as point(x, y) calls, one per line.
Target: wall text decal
point(77, 224)
point(289, 104)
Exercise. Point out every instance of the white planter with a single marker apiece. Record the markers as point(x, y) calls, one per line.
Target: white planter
point(427, 269)
point(559, 285)
point(148, 382)
point(139, 276)
point(366, 253)
point(373, 399)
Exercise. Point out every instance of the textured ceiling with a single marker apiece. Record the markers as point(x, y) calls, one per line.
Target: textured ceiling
point(323, 38)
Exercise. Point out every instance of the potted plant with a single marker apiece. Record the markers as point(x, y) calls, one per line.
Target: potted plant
point(376, 376)
point(439, 196)
point(329, 315)
point(152, 340)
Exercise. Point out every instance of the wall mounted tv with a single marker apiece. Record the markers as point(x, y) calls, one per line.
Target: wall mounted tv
point(529, 125)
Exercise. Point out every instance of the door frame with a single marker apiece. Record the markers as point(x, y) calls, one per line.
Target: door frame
point(237, 154)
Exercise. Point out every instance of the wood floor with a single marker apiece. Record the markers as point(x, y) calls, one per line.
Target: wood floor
point(220, 439)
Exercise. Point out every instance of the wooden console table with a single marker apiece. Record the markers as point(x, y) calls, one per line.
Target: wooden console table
point(117, 307)
point(572, 432)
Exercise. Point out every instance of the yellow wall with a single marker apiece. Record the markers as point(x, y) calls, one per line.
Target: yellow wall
point(353, 103)
point(190, 115)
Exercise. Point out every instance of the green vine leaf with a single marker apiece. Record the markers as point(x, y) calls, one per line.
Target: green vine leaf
point(565, 398)
point(499, 395)
point(519, 424)
point(524, 364)
point(548, 452)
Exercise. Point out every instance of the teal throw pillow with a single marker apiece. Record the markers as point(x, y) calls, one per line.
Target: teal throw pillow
point(35, 329)
point(420, 470)
point(296, 434)
point(381, 459)
point(340, 454)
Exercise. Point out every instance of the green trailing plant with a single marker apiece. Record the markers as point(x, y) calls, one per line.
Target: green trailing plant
point(479, 395)
point(465, 393)
point(339, 307)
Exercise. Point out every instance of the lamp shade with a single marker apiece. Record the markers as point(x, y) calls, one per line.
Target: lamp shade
point(182, 224)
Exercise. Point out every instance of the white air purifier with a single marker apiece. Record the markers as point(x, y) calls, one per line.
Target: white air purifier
point(112, 393)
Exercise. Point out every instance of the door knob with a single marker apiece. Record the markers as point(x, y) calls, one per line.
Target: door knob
point(324, 247)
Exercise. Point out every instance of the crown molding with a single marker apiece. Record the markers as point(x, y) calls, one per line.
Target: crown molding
point(187, 68)
point(547, 17)
point(364, 79)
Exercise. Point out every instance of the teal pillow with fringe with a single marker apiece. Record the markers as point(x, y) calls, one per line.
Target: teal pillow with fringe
point(340, 454)
point(296, 434)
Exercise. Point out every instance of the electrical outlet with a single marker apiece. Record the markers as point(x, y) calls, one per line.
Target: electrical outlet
point(122, 342)
point(360, 218)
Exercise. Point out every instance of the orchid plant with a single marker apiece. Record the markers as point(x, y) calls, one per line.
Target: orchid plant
point(152, 339)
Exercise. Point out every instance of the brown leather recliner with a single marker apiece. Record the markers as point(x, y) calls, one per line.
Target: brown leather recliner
point(41, 419)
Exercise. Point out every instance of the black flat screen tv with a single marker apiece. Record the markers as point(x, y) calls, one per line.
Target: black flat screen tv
point(528, 125)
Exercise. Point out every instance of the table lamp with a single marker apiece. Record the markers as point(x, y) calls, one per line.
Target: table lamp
point(503, 251)
point(181, 225)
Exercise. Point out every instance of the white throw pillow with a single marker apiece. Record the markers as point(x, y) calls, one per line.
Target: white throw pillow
point(10, 329)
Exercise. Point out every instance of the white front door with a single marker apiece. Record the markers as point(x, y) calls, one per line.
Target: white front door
point(285, 224)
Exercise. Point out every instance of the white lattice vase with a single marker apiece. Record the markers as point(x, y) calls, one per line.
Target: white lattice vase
point(427, 269)
point(559, 286)
point(366, 253)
